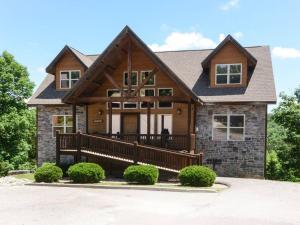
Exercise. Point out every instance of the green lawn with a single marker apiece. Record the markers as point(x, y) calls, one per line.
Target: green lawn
point(29, 176)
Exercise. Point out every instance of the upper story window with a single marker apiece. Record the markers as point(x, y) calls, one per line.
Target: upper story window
point(228, 73)
point(165, 92)
point(134, 78)
point(228, 127)
point(144, 75)
point(147, 92)
point(114, 93)
point(68, 78)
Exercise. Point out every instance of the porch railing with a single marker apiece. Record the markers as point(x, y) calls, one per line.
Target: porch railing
point(83, 144)
point(173, 141)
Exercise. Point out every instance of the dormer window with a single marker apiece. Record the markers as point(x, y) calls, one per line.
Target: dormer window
point(68, 78)
point(228, 74)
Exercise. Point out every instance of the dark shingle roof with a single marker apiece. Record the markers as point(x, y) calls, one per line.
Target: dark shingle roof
point(187, 66)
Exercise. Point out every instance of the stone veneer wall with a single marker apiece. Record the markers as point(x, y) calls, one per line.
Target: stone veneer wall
point(46, 142)
point(238, 158)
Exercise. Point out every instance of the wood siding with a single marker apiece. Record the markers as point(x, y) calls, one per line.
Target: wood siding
point(67, 62)
point(140, 62)
point(227, 55)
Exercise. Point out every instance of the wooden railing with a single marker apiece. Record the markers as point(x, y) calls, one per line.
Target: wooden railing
point(173, 141)
point(84, 144)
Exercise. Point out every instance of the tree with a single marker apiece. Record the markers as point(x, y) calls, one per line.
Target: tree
point(284, 138)
point(17, 123)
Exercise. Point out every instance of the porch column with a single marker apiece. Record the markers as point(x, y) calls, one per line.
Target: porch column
point(189, 126)
point(110, 118)
point(74, 118)
point(148, 121)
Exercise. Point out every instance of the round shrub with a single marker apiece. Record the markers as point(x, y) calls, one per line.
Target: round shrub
point(86, 173)
point(48, 173)
point(142, 174)
point(197, 176)
point(4, 168)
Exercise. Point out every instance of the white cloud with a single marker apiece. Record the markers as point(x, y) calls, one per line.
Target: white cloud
point(286, 53)
point(184, 40)
point(40, 69)
point(229, 5)
point(237, 35)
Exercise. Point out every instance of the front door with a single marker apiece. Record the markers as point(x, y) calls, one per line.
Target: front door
point(130, 123)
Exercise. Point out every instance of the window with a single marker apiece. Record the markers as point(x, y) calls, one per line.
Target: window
point(114, 93)
point(228, 127)
point(165, 92)
point(62, 123)
point(144, 75)
point(147, 92)
point(134, 78)
point(228, 73)
point(130, 105)
point(69, 78)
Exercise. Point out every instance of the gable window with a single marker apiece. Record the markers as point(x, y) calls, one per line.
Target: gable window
point(130, 105)
point(62, 123)
point(144, 75)
point(145, 92)
point(165, 92)
point(68, 78)
point(228, 127)
point(228, 73)
point(114, 93)
point(134, 78)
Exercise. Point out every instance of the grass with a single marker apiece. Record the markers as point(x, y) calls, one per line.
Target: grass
point(29, 176)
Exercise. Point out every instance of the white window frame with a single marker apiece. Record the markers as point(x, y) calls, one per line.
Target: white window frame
point(70, 79)
point(113, 102)
point(228, 126)
point(136, 105)
point(146, 96)
point(154, 78)
point(159, 95)
point(137, 78)
point(65, 123)
point(228, 73)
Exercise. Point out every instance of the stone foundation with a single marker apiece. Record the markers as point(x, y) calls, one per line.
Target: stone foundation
point(234, 158)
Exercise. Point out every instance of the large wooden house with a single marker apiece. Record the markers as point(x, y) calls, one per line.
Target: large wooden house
point(162, 108)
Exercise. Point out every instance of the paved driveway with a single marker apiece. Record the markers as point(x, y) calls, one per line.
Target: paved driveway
point(246, 202)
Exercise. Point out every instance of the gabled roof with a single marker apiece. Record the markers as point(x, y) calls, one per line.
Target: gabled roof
point(229, 39)
point(99, 65)
point(83, 59)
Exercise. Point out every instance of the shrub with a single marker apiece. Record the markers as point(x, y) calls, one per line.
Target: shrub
point(48, 173)
point(4, 168)
point(28, 166)
point(142, 174)
point(86, 173)
point(197, 176)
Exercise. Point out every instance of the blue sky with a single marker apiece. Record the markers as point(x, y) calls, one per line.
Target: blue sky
point(35, 31)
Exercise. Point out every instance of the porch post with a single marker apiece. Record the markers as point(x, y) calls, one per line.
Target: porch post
point(189, 127)
point(74, 118)
point(148, 121)
point(110, 118)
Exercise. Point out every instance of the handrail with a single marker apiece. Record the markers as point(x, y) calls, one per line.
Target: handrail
point(134, 152)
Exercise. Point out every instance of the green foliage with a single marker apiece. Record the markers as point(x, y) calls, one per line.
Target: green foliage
point(28, 166)
point(142, 174)
point(17, 123)
point(86, 173)
point(283, 155)
point(4, 168)
point(197, 176)
point(48, 173)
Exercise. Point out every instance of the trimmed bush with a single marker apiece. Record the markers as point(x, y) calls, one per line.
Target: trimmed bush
point(142, 174)
point(86, 173)
point(197, 176)
point(4, 168)
point(48, 173)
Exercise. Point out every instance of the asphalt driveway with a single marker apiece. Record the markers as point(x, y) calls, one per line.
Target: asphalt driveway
point(246, 202)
